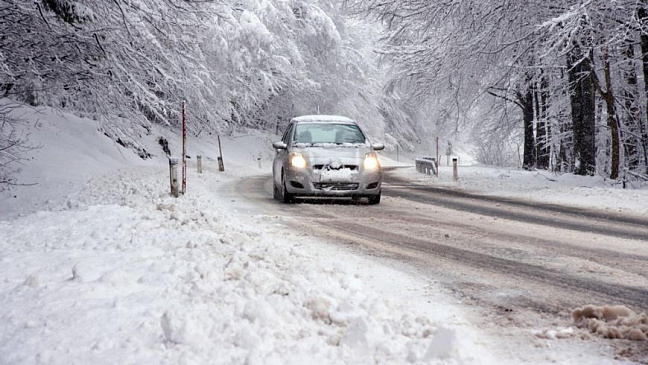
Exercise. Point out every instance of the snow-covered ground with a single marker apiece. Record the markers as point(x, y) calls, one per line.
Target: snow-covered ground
point(98, 264)
point(542, 186)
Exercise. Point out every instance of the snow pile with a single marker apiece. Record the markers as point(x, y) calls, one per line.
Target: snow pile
point(554, 334)
point(612, 322)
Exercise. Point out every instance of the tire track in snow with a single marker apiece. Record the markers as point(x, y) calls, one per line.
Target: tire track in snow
point(563, 217)
point(347, 222)
point(632, 296)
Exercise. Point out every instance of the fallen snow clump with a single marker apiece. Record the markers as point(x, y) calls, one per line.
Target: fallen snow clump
point(613, 322)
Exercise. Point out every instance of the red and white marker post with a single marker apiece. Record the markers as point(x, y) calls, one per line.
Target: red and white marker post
point(184, 149)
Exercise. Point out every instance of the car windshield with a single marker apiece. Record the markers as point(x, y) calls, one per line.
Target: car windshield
point(325, 133)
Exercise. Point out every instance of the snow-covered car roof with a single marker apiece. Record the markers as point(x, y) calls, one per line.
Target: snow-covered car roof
point(323, 118)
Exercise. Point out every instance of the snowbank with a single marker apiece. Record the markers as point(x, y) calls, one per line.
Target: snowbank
point(542, 186)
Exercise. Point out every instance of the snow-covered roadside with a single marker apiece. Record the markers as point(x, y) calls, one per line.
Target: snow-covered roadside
point(69, 150)
point(542, 186)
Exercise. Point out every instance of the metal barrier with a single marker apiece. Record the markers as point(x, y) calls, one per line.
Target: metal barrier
point(427, 165)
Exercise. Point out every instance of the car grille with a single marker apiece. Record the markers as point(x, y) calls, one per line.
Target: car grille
point(336, 186)
point(328, 167)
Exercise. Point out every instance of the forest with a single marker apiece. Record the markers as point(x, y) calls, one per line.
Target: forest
point(563, 82)
point(560, 86)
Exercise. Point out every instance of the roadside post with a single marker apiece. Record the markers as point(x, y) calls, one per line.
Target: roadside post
point(455, 173)
point(397, 154)
point(221, 167)
point(184, 149)
point(448, 153)
point(436, 166)
point(199, 157)
point(437, 160)
point(173, 174)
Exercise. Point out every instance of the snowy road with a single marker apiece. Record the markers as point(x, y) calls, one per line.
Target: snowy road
point(519, 261)
point(224, 274)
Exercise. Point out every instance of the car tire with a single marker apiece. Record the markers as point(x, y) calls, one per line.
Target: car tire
point(374, 199)
point(276, 193)
point(286, 197)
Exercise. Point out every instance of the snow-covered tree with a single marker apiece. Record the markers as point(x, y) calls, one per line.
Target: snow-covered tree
point(568, 70)
point(250, 63)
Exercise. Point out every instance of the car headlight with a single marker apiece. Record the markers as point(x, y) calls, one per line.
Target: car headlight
point(297, 160)
point(371, 161)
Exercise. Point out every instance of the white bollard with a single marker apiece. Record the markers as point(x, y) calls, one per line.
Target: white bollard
point(173, 168)
point(435, 168)
point(455, 173)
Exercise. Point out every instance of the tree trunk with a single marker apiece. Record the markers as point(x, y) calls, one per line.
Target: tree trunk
point(633, 114)
point(643, 18)
point(542, 128)
point(612, 121)
point(583, 104)
point(526, 100)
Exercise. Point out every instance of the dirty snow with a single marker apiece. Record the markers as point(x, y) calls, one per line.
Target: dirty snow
point(613, 322)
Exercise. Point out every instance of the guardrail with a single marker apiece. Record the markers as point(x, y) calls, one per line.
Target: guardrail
point(427, 165)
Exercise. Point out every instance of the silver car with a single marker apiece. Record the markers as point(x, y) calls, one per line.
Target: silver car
point(325, 155)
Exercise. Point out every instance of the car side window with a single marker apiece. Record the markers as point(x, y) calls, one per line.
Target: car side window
point(286, 135)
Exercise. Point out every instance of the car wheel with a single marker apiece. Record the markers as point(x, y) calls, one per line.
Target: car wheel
point(374, 199)
point(286, 197)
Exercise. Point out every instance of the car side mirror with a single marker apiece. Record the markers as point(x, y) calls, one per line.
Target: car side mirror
point(378, 146)
point(279, 145)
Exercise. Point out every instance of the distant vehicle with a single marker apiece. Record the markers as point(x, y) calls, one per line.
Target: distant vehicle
point(326, 155)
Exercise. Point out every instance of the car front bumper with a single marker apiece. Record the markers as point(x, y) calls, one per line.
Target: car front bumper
point(334, 183)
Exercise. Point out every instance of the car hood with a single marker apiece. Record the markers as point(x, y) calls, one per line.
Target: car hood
point(346, 154)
